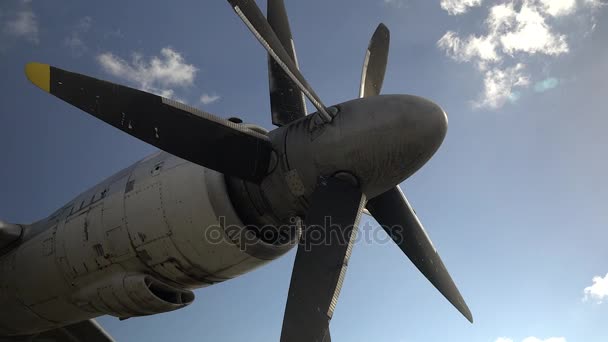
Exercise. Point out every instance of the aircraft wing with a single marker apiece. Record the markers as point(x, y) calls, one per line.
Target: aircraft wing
point(86, 331)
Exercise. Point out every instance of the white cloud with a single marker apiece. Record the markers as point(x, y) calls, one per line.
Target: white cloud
point(551, 339)
point(533, 339)
point(395, 3)
point(456, 7)
point(499, 85)
point(500, 19)
point(508, 31)
point(559, 7)
point(74, 41)
point(596, 3)
point(169, 69)
point(23, 25)
point(209, 99)
point(472, 48)
point(598, 291)
point(515, 32)
point(159, 75)
point(167, 93)
point(529, 33)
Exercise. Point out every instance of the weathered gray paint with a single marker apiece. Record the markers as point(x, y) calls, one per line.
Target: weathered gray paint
point(112, 246)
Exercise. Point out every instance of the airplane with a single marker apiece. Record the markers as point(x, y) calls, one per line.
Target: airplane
point(222, 198)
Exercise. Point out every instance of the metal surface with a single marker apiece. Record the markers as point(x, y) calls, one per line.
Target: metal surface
point(399, 220)
point(382, 140)
point(374, 65)
point(287, 102)
point(164, 217)
point(320, 265)
point(85, 331)
point(391, 209)
point(254, 19)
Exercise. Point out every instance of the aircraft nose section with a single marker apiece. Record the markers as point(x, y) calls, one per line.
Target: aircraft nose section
point(412, 128)
point(381, 140)
point(421, 124)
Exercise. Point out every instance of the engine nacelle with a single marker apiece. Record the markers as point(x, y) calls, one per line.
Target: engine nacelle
point(131, 295)
point(135, 244)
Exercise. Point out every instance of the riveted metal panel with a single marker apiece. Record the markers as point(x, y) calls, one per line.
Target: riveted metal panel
point(39, 278)
point(82, 244)
point(59, 310)
point(144, 214)
point(14, 316)
point(73, 240)
point(117, 242)
point(164, 258)
point(97, 245)
point(114, 203)
point(197, 230)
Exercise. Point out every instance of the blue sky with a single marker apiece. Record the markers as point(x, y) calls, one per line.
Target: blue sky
point(514, 200)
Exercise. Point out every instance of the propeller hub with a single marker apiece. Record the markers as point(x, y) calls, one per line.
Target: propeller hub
point(381, 140)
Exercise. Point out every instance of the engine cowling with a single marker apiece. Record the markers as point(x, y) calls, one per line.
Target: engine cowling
point(134, 245)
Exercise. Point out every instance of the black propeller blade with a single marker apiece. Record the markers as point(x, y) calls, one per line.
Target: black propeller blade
point(392, 209)
point(251, 15)
point(287, 102)
point(397, 217)
point(321, 261)
point(183, 131)
point(374, 66)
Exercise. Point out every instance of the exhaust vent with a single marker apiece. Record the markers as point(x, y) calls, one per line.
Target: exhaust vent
point(132, 295)
point(169, 294)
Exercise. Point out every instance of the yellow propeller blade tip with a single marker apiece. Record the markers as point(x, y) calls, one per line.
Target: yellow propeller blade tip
point(40, 75)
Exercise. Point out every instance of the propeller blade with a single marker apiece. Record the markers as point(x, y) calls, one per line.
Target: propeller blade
point(181, 130)
point(397, 217)
point(251, 15)
point(321, 261)
point(287, 102)
point(392, 209)
point(374, 66)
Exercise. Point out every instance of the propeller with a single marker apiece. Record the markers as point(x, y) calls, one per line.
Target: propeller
point(320, 170)
point(254, 19)
point(287, 102)
point(374, 66)
point(391, 209)
point(171, 126)
point(394, 213)
point(322, 259)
